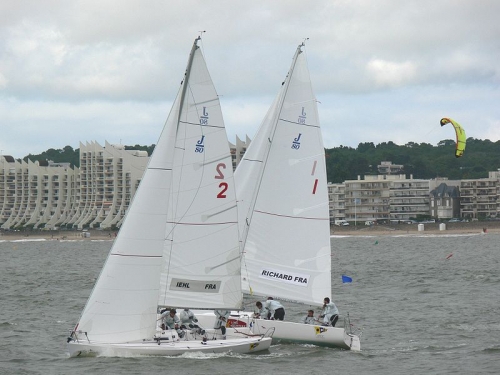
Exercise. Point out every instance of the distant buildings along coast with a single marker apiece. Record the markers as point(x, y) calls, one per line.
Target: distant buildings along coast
point(97, 194)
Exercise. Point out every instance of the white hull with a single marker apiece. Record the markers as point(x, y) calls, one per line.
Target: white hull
point(334, 337)
point(242, 345)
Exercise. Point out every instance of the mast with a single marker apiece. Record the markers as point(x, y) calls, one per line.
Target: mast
point(186, 77)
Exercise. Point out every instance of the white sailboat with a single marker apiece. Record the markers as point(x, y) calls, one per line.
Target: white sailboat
point(178, 245)
point(284, 216)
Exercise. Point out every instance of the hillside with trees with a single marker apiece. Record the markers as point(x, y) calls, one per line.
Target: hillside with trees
point(346, 163)
point(421, 160)
point(72, 156)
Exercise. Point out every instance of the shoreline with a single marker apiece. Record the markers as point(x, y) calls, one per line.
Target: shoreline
point(475, 227)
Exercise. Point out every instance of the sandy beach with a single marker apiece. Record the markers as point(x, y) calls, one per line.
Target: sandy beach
point(431, 228)
point(93, 235)
point(351, 230)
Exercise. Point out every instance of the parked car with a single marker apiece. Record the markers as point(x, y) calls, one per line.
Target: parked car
point(341, 222)
point(454, 220)
point(369, 222)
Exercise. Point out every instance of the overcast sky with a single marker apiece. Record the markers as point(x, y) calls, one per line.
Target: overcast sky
point(105, 70)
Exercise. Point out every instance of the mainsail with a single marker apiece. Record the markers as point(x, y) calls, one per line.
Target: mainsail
point(283, 198)
point(182, 224)
point(202, 255)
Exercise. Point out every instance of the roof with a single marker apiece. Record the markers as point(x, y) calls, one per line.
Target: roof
point(444, 190)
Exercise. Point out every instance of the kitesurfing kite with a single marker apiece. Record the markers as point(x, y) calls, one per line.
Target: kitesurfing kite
point(460, 132)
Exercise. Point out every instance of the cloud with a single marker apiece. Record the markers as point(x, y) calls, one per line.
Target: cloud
point(391, 74)
point(380, 69)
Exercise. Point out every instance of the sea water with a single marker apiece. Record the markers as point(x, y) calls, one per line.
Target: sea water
point(423, 304)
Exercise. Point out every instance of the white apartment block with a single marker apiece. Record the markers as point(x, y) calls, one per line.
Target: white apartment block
point(386, 167)
point(32, 194)
point(367, 199)
point(109, 178)
point(408, 198)
point(386, 197)
point(49, 195)
point(238, 150)
point(479, 198)
point(336, 198)
point(96, 195)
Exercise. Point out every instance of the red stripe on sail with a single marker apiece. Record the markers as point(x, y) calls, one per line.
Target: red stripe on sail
point(314, 168)
point(315, 186)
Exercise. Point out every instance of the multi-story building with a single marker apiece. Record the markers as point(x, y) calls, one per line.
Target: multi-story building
point(479, 198)
point(386, 197)
point(238, 150)
point(367, 199)
point(109, 178)
point(50, 195)
point(408, 198)
point(336, 197)
point(96, 195)
point(386, 167)
point(445, 202)
point(34, 194)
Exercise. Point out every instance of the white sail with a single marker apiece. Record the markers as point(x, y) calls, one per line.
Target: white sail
point(281, 182)
point(202, 260)
point(175, 223)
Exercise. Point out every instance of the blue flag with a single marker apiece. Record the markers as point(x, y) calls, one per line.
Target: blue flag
point(346, 279)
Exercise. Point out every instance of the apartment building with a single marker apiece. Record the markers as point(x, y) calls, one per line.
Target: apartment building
point(336, 198)
point(50, 195)
point(385, 197)
point(367, 199)
point(96, 195)
point(109, 178)
point(34, 193)
point(238, 150)
point(408, 198)
point(479, 198)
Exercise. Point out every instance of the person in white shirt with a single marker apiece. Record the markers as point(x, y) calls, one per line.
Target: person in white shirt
point(171, 321)
point(276, 309)
point(330, 313)
point(262, 312)
point(309, 318)
point(189, 320)
point(221, 317)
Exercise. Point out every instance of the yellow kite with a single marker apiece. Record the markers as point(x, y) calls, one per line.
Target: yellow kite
point(460, 133)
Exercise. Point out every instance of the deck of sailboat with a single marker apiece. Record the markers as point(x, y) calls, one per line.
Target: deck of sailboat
point(239, 345)
point(285, 331)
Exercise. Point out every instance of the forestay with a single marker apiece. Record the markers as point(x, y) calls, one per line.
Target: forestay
point(282, 188)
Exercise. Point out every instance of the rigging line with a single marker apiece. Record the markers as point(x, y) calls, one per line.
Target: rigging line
point(291, 217)
point(207, 126)
point(296, 123)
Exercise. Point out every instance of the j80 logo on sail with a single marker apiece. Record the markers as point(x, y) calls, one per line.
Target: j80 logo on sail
point(200, 147)
point(296, 142)
point(204, 117)
point(302, 117)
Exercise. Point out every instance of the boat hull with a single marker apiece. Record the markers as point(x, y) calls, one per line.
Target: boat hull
point(152, 348)
point(334, 337)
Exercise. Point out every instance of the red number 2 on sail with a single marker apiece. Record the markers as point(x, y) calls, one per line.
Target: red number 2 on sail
point(223, 185)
